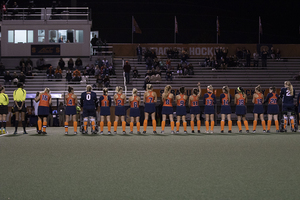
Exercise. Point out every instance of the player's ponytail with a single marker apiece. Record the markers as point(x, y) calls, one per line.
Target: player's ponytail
point(105, 91)
point(227, 91)
point(149, 86)
point(241, 90)
point(273, 88)
point(290, 87)
point(258, 88)
point(210, 88)
point(47, 90)
point(181, 90)
point(119, 88)
point(70, 89)
point(167, 90)
point(134, 91)
point(88, 88)
point(195, 91)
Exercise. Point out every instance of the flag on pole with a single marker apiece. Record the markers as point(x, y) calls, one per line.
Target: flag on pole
point(135, 26)
point(218, 26)
point(260, 27)
point(176, 25)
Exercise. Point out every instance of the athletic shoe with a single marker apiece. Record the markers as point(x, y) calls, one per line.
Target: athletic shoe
point(15, 133)
point(45, 133)
point(124, 132)
point(129, 132)
point(193, 131)
point(84, 132)
point(211, 132)
point(277, 131)
point(222, 131)
point(144, 132)
point(185, 132)
point(247, 131)
point(172, 132)
point(199, 131)
point(268, 131)
point(75, 133)
point(115, 132)
point(253, 131)
point(240, 131)
point(206, 131)
point(294, 130)
point(139, 132)
point(25, 132)
point(264, 131)
point(94, 132)
point(1, 132)
point(299, 130)
point(66, 133)
point(177, 132)
point(229, 131)
point(39, 132)
point(101, 133)
point(162, 132)
point(154, 132)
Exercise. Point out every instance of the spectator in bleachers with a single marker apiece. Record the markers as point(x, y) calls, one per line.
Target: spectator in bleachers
point(29, 74)
point(155, 63)
point(149, 63)
point(223, 64)
point(78, 64)
point(170, 53)
point(147, 54)
point(28, 61)
point(153, 54)
point(176, 53)
point(23, 68)
point(97, 71)
point(191, 69)
point(98, 62)
point(184, 56)
point(61, 63)
point(168, 64)
point(135, 72)
point(105, 71)
point(111, 69)
point(218, 54)
point(216, 65)
point(207, 61)
point(179, 69)
point(106, 81)
point(224, 53)
point(169, 75)
point(91, 70)
point(255, 59)
point(157, 75)
point(85, 73)
point(21, 63)
point(272, 53)
point(139, 53)
point(2, 69)
point(264, 56)
point(15, 78)
point(50, 73)
point(153, 73)
point(58, 73)
point(69, 75)
point(146, 81)
point(278, 55)
point(7, 78)
point(105, 62)
point(76, 76)
point(40, 64)
point(71, 64)
point(127, 69)
point(22, 78)
point(148, 73)
point(248, 58)
point(99, 80)
point(239, 53)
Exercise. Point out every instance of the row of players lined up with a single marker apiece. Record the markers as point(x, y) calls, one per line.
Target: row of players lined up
point(89, 104)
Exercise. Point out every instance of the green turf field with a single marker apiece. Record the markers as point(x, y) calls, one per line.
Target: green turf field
point(193, 166)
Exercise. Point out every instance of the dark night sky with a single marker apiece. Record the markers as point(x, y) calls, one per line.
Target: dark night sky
point(196, 20)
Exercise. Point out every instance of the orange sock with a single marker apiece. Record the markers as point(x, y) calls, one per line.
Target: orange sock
point(172, 125)
point(239, 123)
point(138, 125)
point(254, 124)
point(293, 123)
point(246, 125)
point(124, 126)
point(163, 124)
point(40, 125)
point(277, 125)
point(212, 125)
point(284, 126)
point(263, 123)
point(85, 125)
point(184, 126)
point(75, 126)
point(66, 127)
point(145, 125)
point(131, 126)
point(93, 125)
point(154, 124)
point(115, 126)
point(229, 125)
point(199, 125)
point(269, 124)
point(207, 125)
point(109, 125)
point(44, 126)
point(177, 126)
point(222, 125)
point(101, 126)
point(192, 125)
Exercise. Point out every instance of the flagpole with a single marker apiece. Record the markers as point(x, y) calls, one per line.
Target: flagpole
point(217, 30)
point(175, 31)
point(259, 30)
point(131, 29)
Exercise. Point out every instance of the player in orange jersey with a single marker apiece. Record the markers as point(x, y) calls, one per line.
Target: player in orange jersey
point(150, 98)
point(71, 103)
point(181, 109)
point(194, 107)
point(273, 108)
point(119, 99)
point(258, 100)
point(167, 109)
point(105, 103)
point(209, 100)
point(225, 108)
point(135, 102)
point(240, 99)
point(43, 109)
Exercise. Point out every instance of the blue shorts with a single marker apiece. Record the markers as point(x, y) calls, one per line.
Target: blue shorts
point(134, 112)
point(273, 109)
point(149, 108)
point(105, 111)
point(166, 110)
point(209, 110)
point(43, 111)
point(180, 110)
point(240, 110)
point(120, 111)
point(195, 110)
point(70, 110)
point(225, 110)
point(89, 112)
point(288, 108)
point(258, 109)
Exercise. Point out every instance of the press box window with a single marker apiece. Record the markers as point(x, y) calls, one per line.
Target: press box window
point(53, 36)
point(79, 36)
point(41, 35)
point(20, 36)
point(10, 36)
point(66, 36)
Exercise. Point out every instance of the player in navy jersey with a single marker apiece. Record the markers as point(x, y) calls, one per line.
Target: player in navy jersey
point(273, 108)
point(88, 102)
point(287, 94)
point(105, 103)
point(209, 100)
point(225, 108)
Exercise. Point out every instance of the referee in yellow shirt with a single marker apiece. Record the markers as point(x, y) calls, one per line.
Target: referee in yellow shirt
point(19, 106)
point(3, 110)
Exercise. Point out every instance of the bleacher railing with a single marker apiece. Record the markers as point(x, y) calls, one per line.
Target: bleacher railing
point(48, 14)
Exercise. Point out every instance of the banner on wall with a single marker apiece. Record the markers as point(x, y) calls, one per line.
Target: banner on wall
point(40, 50)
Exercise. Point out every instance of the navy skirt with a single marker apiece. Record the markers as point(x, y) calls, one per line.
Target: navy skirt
point(43, 111)
point(70, 110)
point(166, 110)
point(105, 111)
point(258, 109)
point(195, 110)
point(149, 108)
point(273, 109)
point(134, 112)
point(180, 110)
point(225, 110)
point(209, 110)
point(120, 111)
point(240, 110)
